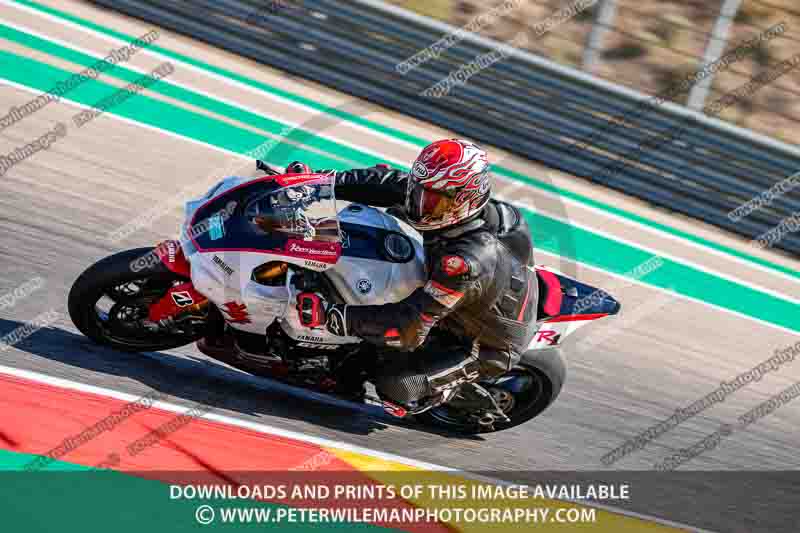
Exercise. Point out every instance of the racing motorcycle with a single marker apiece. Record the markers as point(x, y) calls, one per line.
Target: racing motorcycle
point(241, 281)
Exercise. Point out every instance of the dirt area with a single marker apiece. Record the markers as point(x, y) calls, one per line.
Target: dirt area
point(654, 43)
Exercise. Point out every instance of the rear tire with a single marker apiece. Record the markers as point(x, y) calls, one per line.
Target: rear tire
point(523, 394)
point(106, 277)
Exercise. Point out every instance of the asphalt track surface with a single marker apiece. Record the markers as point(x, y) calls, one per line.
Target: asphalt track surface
point(58, 207)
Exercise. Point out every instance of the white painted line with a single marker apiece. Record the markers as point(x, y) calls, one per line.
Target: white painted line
point(223, 150)
point(512, 184)
point(318, 441)
point(661, 233)
point(285, 102)
point(632, 281)
point(289, 103)
point(225, 419)
point(506, 194)
point(639, 246)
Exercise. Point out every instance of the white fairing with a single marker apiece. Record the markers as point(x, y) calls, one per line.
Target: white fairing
point(367, 281)
point(551, 334)
point(226, 277)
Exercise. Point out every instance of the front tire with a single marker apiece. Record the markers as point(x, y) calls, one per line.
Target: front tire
point(522, 393)
point(130, 291)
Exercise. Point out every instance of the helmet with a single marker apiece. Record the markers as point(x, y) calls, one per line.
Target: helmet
point(296, 167)
point(449, 183)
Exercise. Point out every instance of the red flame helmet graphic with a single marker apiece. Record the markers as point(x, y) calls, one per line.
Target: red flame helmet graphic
point(449, 183)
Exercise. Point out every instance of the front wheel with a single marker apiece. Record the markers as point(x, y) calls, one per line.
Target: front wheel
point(523, 393)
point(109, 302)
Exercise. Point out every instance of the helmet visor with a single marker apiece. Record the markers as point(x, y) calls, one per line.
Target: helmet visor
point(425, 205)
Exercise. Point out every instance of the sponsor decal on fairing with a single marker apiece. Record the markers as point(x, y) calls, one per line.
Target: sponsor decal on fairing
point(364, 286)
point(182, 298)
point(223, 265)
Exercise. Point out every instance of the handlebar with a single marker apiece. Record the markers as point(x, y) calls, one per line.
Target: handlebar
point(260, 165)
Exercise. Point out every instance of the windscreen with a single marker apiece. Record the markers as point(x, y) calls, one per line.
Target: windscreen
point(305, 211)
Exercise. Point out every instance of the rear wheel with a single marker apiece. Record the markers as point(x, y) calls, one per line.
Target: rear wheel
point(109, 303)
point(523, 393)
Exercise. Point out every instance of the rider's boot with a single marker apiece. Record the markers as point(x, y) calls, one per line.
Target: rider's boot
point(439, 380)
point(475, 398)
point(214, 339)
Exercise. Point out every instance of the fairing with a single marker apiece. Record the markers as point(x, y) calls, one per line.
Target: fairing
point(565, 305)
point(348, 246)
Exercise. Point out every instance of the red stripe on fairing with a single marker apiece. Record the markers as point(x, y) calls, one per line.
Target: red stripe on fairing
point(297, 179)
point(552, 303)
point(276, 253)
point(326, 252)
point(576, 318)
point(35, 418)
point(525, 303)
point(178, 265)
point(445, 289)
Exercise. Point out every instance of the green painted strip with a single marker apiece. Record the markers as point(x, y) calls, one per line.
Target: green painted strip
point(168, 89)
point(79, 498)
point(146, 110)
point(585, 246)
point(619, 258)
point(14, 462)
point(228, 74)
point(502, 171)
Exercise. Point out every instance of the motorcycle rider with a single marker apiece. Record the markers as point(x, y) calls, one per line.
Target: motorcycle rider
point(480, 299)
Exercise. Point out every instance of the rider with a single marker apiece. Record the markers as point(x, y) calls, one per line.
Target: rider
point(481, 294)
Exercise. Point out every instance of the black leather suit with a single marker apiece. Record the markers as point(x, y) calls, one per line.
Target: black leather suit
point(480, 298)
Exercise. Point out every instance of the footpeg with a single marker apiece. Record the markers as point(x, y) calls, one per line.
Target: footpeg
point(473, 397)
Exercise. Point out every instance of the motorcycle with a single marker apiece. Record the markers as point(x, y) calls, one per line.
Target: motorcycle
point(240, 283)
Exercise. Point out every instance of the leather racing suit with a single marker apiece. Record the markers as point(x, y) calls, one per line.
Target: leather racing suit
point(477, 310)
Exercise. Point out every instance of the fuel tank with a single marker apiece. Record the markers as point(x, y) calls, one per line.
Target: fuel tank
point(382, 257)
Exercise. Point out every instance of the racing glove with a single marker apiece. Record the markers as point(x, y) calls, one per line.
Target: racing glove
point(314, 311)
